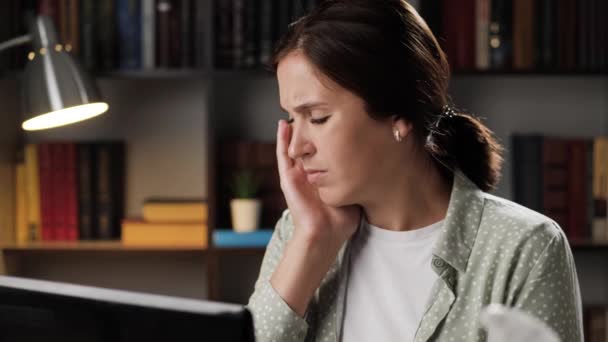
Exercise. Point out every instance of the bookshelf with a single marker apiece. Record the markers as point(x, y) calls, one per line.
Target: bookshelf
point(93, 246)
point(177, 117)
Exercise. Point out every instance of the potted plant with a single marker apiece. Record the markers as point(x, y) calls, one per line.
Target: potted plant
point(245, 208)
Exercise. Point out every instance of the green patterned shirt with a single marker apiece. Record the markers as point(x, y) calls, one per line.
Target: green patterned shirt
point(490, 250)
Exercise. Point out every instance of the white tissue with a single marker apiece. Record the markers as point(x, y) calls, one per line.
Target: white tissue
point(513, 325)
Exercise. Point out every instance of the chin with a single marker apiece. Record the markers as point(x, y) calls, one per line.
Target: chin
point(334, 198)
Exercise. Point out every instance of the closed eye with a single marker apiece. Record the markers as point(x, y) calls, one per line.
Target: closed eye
point(313, 121)
point(319, 121)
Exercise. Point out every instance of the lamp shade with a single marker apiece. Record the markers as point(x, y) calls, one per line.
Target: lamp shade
point(56, 91)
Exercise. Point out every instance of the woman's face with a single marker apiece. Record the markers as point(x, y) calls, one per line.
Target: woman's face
point(331, 132)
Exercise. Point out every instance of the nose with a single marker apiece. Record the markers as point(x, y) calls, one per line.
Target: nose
point(300, 145)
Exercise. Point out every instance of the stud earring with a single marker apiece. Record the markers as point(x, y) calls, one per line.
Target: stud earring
point(397, 135)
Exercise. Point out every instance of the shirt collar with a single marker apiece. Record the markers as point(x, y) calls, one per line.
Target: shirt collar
point(461, 224)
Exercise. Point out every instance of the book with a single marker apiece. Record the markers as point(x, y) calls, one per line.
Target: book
point(21, 205)
point(140, 233)
point(175, 211)
point(32, 186)
point(148, 30)
point(599, 230)
point(87, 174)
point(110, 164)
point(230, 238)
point(129, 33)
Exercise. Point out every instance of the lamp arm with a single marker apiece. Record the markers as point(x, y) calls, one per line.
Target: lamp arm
point(16, 42)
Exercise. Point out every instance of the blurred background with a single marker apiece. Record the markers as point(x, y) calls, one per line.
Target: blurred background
point(139, 198)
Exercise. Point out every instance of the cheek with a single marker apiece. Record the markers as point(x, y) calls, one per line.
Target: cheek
point(348, 177)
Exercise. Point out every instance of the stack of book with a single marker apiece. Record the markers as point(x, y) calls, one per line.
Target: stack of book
point(565, 179)
point(169, 222)
point(520, 34)
point(70, 191)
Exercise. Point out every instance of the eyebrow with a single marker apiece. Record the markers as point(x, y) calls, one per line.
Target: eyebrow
point(306, 106)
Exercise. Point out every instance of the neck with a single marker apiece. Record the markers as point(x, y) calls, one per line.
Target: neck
point(416, 200)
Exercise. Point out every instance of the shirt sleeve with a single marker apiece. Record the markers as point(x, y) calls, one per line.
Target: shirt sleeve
point(551, 291)
point(273, 319)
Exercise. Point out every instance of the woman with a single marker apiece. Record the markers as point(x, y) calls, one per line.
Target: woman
point(390, 234)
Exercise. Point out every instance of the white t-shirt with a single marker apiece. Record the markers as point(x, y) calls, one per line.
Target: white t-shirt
point(389, 284)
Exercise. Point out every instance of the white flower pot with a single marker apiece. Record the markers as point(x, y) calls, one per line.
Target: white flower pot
point(245, 214)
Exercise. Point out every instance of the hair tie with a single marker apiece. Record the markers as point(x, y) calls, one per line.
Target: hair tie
point(447, 112)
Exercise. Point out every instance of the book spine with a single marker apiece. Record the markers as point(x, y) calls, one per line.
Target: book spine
point(186, 29)
point(163, 33)
point(577, 196)
point(148, 30)
point(21, 204)
point(128, 13)
point(555, 181)
point(265, 40)
point(73, 23)
point(459, 32)
point(547, 37)
point(482, 44)
point(89, 46)
point(238, 30)
point(501, 34)
point(251, 33)
point(71, 190)
point(523, 34)
point(223, 33)
point(33, 192)
point(59, 191)
point(110, 189)
point(200, 34)
point(527, 171)
point(51, 8)
point(175, 34)
point(47, 210)
point(583, 34)
point(107, 35)
point(87, 173)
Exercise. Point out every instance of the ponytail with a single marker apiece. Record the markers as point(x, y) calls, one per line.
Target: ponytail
point(463, 142)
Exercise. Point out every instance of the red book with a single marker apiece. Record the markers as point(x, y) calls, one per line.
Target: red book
point(577, 189)
point(459, 33)
point(555, 180)
point(50, 8)
point(59, 199)
point(71, 191)
point(46, 191)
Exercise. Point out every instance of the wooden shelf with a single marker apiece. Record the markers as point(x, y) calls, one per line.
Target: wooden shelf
point(117, 246)
point(587, 244)
point(260, 73)
point(93, 246)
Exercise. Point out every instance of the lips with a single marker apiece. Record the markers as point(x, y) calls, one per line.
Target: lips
point(314, 176)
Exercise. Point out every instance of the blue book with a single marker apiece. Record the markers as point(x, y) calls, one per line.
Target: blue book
point(129, 33)
point(230, 238)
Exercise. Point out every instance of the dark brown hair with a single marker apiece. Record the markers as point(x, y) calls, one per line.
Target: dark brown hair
point(384, 52)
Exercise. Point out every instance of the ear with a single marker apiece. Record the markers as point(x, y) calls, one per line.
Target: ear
point(404, 126)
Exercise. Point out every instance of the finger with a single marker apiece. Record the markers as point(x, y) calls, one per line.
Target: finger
point(283, 137)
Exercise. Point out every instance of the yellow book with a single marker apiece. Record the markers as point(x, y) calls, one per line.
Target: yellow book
point(21, 204)
point(175, 211)
point(600, 167)
point(32, 186)
point(139, 233)
point(599, 225)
